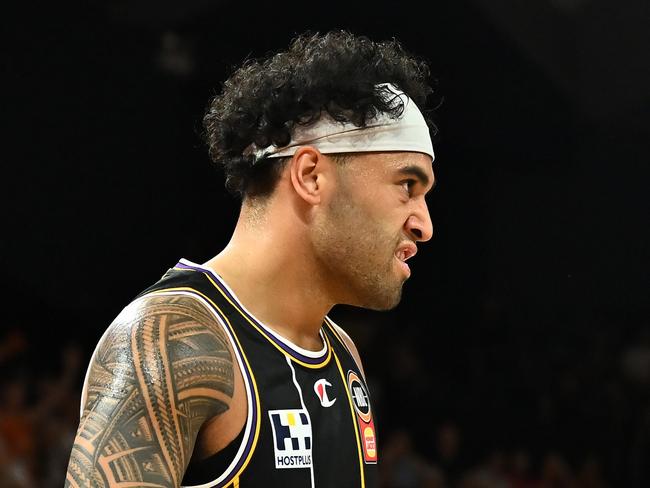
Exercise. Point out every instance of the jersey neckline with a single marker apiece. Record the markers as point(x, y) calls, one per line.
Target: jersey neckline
point(311, 358)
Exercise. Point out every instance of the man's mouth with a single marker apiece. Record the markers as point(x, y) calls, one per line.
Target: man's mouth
point(403, 253)
point(404, 266)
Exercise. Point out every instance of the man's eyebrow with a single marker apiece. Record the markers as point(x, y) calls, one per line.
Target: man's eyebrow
point(419, 174)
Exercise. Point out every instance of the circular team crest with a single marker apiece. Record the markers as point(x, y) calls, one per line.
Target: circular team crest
point(360, 397)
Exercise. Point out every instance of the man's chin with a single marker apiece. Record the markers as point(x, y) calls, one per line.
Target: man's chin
point(382, 302)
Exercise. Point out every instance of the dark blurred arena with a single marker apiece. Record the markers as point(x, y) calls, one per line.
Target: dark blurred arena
point(520, 354)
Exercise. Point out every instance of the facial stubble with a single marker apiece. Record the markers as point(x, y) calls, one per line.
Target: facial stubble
point(357, 251)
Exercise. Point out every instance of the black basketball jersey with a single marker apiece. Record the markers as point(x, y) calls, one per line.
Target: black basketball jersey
point(310, 421)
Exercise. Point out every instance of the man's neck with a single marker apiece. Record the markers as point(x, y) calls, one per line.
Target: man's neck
point(277, 283)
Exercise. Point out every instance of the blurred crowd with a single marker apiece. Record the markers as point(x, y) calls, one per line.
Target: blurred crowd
point(403, 466)
point(503, 407)
point(421, 446)
point(39, 411)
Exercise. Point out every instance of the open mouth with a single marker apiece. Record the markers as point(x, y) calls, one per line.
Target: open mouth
point(402, 264)
point(404, 252)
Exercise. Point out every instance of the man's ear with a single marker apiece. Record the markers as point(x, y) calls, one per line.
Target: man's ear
point(308, 173)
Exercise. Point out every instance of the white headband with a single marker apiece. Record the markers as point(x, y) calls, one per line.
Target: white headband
point(408, 132)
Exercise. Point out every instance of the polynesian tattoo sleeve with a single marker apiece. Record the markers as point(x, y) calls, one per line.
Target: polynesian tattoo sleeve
point(161, 370)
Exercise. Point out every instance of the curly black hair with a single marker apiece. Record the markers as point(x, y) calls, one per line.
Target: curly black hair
point(336, 72)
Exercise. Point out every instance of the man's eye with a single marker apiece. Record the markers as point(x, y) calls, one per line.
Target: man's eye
point(408, 185)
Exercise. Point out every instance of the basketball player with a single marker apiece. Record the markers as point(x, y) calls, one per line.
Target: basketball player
point(230, 373)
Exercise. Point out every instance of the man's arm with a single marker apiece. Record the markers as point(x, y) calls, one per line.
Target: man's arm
point(163, 368)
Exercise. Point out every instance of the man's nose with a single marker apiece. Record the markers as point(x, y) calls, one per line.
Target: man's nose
point(419, 226)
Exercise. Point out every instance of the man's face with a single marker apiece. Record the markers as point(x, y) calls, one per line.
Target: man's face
point(375, 215)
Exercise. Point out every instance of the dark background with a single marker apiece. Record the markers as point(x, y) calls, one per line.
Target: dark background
point(523, 335)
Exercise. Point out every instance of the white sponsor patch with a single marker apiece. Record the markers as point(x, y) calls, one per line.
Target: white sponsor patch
point(291, 438)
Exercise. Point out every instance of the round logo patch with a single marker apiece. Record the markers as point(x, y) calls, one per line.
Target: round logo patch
point(360, 397)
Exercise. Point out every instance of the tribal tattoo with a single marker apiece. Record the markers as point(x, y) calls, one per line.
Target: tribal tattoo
point(162, 369)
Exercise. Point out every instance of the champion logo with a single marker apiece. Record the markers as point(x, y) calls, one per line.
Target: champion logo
point(321, 392)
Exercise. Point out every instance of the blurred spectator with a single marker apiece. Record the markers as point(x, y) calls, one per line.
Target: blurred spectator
point(519, 472)
point(638, 464)
point(12, 344)
point(447, 456)
point(58, 430)
point(402, 467)
point(556, 472)
point(635, 359)
point(490, 474)
point(38, 419)
point(590, 475)
point(13, 472)
point(55, 443)
point(17, 435)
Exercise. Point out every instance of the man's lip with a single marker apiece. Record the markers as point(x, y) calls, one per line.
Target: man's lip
point(405, 267)
point(408, 250)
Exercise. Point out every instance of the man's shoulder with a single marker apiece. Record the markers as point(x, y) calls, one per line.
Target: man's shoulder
point(160, 317)
point(342, 333)
point(348, 342)
point(174, 328)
